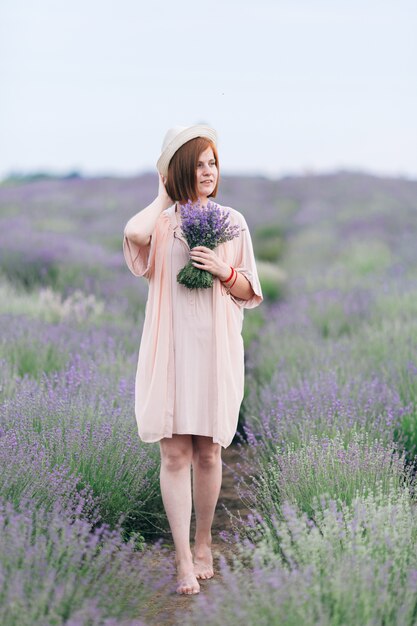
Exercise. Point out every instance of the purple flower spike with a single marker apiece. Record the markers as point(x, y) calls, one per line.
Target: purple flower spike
point(209, 227)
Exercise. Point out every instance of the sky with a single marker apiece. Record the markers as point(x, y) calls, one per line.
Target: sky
point(291, 86)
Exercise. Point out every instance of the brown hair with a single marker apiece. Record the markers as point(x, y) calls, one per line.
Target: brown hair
point(181, 183)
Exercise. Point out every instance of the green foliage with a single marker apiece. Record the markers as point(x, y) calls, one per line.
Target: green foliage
point(58, 224)
point(139, 501)
point(40, 273)
point(29, 275)
point(339, 467)
point(73, 276)
point(111, 242)
point(366, 257)
point(333, 321)
point(272, 279)
point(268, 242)
point(272, 289)
point(28, 356)
point(253, 321)
point(407, 434)
point(194, 278)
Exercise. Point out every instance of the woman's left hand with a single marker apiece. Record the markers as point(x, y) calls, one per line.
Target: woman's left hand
point(206, 259)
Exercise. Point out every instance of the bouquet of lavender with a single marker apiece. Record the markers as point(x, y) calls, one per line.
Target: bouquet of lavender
point(208, 227)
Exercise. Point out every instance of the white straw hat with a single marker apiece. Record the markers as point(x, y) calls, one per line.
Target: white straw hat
point(176, 137)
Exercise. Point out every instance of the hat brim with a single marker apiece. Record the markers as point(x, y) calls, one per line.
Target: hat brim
point(199, 130)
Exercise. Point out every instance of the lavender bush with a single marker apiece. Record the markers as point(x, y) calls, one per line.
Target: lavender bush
point(33, 346)
point(378, 354)
point(293, 409)
point(209, 226)
point(352, 564)
point(339, 467)
point(56, 570)
point(81, 419)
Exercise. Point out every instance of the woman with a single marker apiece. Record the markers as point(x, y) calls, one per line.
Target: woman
point(190, 374)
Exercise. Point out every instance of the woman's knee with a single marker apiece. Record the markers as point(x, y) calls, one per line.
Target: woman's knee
point(206, 453)
point(176, 452)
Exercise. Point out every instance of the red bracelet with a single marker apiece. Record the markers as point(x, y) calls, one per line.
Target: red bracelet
point(233, 282)
point(231, 275)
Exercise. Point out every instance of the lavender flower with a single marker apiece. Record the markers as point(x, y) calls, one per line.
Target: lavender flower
point(208, 227)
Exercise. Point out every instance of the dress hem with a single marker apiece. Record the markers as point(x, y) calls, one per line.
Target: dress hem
point(224, 445)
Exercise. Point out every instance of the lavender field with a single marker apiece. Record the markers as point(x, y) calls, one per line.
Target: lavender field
point(327, 435)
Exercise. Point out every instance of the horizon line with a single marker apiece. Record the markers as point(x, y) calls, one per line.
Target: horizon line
point(74, 172)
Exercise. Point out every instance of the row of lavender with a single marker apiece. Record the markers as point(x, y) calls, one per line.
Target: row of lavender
point(330, 378)
point(331, 421)
point(79, 493)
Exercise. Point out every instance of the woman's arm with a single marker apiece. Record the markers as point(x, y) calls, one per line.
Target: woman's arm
point(241, 286)
point(141, 226)
point(207, 259)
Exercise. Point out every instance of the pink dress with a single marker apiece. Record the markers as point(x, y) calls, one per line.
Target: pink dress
point(190, 374)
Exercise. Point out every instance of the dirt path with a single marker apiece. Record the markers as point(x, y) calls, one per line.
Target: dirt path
point(162, 607)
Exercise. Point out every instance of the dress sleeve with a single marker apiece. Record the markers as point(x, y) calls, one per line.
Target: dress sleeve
point(141, 259)
point(245, 264)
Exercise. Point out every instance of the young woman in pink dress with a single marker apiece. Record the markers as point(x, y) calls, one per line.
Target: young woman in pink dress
point(190, 375)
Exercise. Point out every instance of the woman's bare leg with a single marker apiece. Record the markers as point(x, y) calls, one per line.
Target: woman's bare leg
point(175, 480)
point(207, 480)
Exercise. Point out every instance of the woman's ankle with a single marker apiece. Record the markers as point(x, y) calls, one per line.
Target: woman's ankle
point(203, 540)
point(184, 559)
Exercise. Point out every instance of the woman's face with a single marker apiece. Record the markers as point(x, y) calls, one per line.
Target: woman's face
point(206, 174)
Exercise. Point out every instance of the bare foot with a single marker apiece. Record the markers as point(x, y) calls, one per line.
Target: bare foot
point(203, 562)
point(186, 579)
